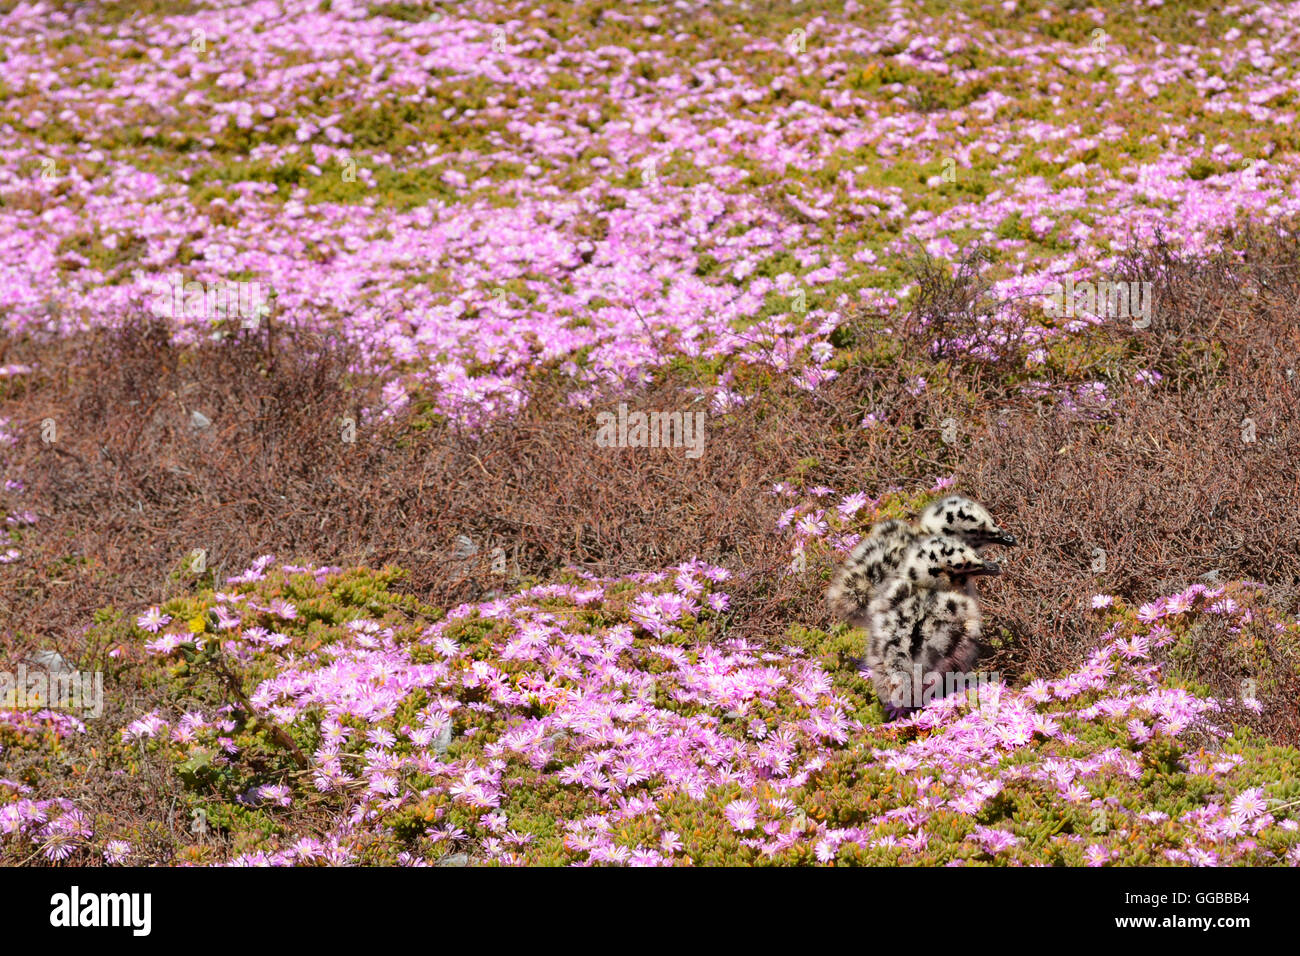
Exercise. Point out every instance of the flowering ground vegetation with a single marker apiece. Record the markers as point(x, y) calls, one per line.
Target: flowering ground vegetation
point(310, 312)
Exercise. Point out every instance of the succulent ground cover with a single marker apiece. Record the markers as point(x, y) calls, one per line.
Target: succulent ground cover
point(612, 721)
point(433, 620)
point(603, 187)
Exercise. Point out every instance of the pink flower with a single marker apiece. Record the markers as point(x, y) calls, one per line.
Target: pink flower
point(153, 620)
point(283, 609)
point(1138, 732)
point(1149, 613)
point(1249, 803)
point(852, 504)
point(277, 793)
point(147, 726)
point(166, 644)
point(742, 815)
point(993, 840)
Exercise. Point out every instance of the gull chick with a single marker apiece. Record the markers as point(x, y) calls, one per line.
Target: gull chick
point(924, 621)
point(877, 556)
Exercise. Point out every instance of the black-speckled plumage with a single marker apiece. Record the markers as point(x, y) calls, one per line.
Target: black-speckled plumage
point(923, 622)
point(878, 555)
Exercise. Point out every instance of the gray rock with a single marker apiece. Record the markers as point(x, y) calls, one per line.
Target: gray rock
point(51, 662)
point(199, 420)
point(443, 740)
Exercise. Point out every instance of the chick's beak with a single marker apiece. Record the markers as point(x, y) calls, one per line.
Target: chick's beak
point(1008, 539)
point(989, 567)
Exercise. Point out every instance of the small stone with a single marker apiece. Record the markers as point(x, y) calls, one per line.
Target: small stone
point(199, 420)
point(52, 662)
point(443, 740)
